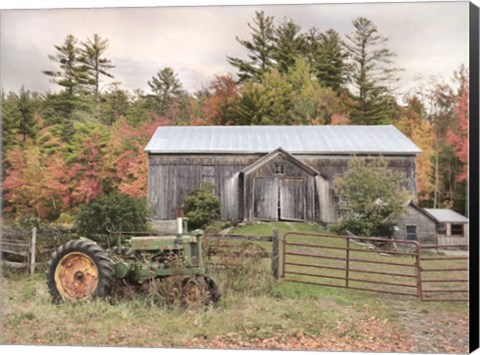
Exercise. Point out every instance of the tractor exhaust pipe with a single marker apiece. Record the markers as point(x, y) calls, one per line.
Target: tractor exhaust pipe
point(179, 214)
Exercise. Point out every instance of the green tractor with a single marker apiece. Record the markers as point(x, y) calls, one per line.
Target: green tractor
point(80, 269)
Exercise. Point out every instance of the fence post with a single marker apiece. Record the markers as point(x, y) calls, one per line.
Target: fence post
point(33, 247)
point(418, 271)
point(275, 254)
point(347, 266)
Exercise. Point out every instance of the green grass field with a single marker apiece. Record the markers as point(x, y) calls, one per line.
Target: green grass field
point(255, 311)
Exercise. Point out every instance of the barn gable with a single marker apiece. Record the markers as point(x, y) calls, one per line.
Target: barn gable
point(284, 155)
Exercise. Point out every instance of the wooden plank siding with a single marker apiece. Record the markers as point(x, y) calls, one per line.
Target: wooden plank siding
point(426, 228)
point(291, 172)
point(172, 176)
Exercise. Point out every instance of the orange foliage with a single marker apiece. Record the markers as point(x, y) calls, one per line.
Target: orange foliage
point(421, 133)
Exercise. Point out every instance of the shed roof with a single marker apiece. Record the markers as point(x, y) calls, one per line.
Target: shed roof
point(444, 215)
point(295, 139)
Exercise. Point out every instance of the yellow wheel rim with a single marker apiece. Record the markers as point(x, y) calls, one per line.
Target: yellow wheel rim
point(193, 293)
point(76, 276)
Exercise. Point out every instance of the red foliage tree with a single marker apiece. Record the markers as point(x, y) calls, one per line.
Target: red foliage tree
point(458, 135)
point(218, 108)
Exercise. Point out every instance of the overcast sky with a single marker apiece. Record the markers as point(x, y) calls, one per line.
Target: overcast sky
point(429, 38)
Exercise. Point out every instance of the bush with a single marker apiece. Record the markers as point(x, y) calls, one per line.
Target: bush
point(202, 206)
point(372, 193)
point(113, 212)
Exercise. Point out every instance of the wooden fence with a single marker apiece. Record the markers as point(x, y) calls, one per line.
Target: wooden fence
point(20, 249)
point(21, 245)
point(224, 246)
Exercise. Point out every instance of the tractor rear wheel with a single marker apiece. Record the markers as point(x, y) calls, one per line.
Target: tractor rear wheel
point(194, 292)
point(79, 270)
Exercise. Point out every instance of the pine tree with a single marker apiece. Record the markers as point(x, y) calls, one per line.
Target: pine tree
point(371, 73)
point(27, 126)
point(260, 49)
point(166, 89)
point(290, 44)
point(330, 64)
point(71, 74)
point(94, 66)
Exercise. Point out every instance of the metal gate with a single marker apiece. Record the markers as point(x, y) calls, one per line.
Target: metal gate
point(398, 267)
point(440, 282)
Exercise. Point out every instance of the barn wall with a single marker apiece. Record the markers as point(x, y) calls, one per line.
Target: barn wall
point(173, 176)
point(334, 165)
point(426, 228)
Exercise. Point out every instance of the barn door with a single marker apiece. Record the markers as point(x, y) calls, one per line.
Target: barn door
point(292, 199)
point(265, 198)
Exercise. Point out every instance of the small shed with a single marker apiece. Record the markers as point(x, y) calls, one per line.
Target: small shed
point(452, 227)
point(416, 224)
point(431, 226)
point(268, 172)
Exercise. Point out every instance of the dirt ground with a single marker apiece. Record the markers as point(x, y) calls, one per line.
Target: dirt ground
point(433, 331)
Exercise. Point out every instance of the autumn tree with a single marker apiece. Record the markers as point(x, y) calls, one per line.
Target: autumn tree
point(457, 136)
point(372, 74)
point(219, 106)
point(414, 125)
point(260, 49)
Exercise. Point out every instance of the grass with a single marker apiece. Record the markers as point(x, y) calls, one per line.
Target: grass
point(254, 311)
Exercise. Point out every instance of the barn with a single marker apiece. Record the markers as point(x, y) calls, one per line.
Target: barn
point(267, 173)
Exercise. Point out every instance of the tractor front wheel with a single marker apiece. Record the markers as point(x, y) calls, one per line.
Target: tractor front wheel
point(79, 270)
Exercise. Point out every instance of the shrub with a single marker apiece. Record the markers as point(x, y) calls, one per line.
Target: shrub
point(113, 212)
point(202, 206)
point(371, 193)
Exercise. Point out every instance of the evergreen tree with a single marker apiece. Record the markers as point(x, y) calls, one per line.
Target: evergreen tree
point(371, 73)
point(94, 66)
point(289, 45)
point(330, 64)
point(114, 103)
point(11, 118)
point(265, 103)
point(27, 126)
point(71, 74)
point(260, 49)
point(166, 89)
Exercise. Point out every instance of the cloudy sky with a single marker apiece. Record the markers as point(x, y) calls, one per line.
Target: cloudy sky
point(430, 38)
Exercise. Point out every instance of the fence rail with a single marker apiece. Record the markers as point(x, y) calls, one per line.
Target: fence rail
point(223, 247)
point(330, 260)
point(447, 279)
point(21, 245)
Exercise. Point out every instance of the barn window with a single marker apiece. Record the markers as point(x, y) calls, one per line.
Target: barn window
point(411, 232)
point(279, 168)
point(457, 230)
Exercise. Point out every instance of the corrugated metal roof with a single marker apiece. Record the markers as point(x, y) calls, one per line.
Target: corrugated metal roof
point(294, 139)
point(446, 215)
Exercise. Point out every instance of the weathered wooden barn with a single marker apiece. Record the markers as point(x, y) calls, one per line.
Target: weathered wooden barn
point(267, 172)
